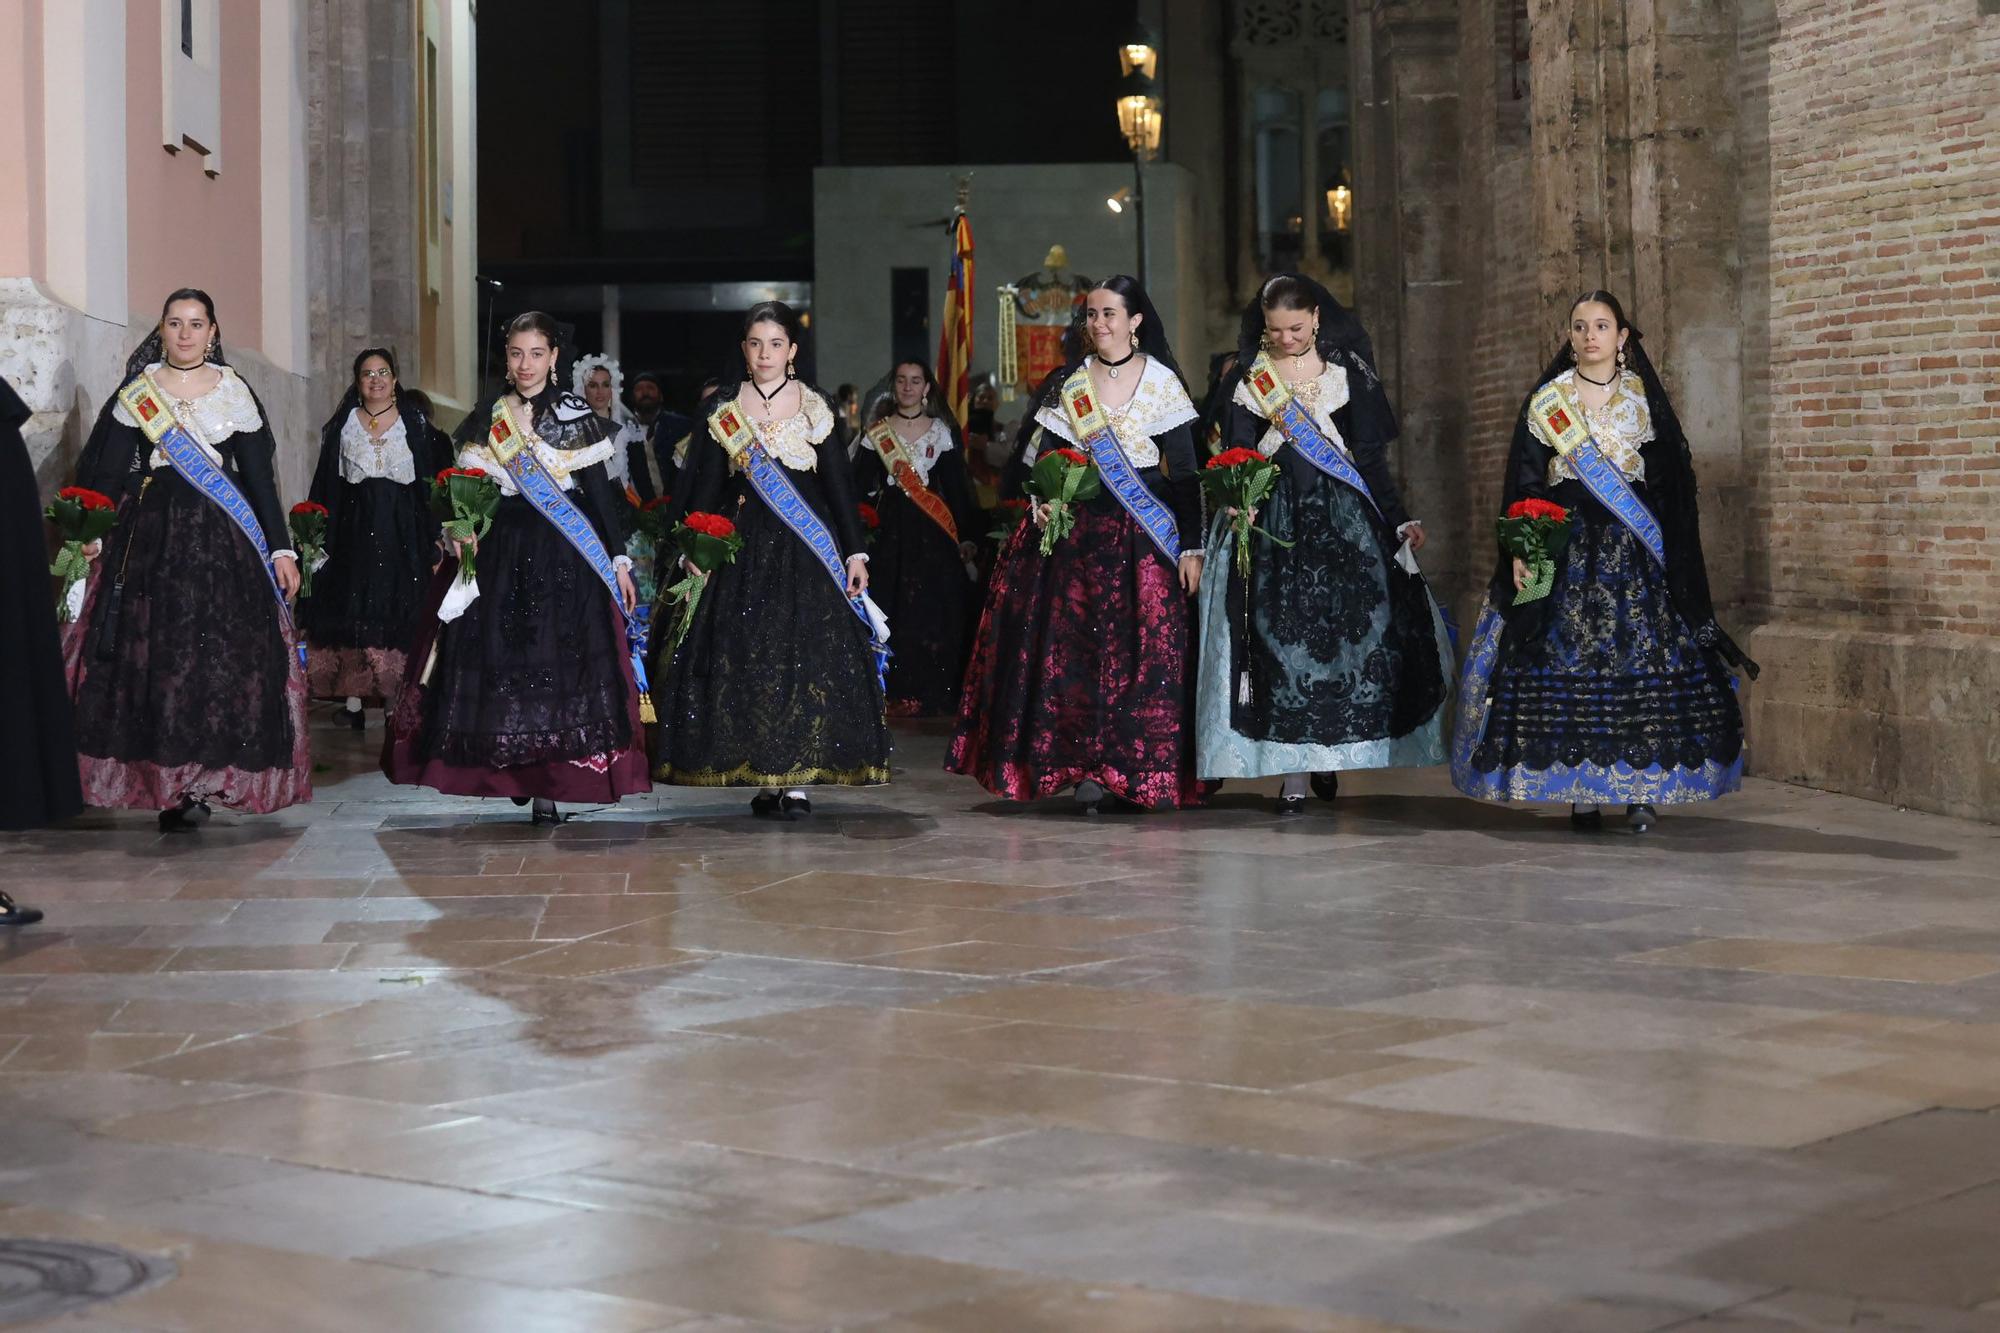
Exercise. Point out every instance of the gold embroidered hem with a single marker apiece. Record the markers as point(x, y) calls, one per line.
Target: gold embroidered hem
point(868, 775)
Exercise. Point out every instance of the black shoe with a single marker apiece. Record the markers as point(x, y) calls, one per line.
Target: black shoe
point(1586, 821)
point(1291, 805)
point(764, 804)
point(13, 914)
point(518, 800)
point(1641, 817)
point(356, 718)
point(186, 817)
point(545, 812)
point(1089, 797)
point(793, 807)
point(1326, 786)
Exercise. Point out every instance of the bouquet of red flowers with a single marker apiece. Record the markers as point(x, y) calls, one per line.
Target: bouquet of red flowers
point(1059, 479)
point(707, 542)
point(1008, 515)
point(308, 524)
point(82, 516)
point(464, 499)
point(871, 520)
point(1240, 480)
point(1535, 532)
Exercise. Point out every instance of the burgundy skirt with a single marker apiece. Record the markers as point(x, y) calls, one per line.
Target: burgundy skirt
point(1082, 669)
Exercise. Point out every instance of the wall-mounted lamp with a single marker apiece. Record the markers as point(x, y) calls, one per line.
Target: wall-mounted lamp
point(1340, 207)
point(1116, 203)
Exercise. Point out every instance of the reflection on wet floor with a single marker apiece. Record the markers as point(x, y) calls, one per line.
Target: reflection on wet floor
point(926, 1062)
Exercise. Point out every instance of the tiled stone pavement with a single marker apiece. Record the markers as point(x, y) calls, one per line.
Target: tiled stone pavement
point(923, 1064)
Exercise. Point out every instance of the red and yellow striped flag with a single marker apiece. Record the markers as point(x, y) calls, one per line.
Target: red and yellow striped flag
point(954, 358)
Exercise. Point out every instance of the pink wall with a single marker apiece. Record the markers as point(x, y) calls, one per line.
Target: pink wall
point(188, 229)
point(21, 202)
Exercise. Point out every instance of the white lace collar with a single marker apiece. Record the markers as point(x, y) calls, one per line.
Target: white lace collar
point(562, 464)
point(1323, 395)
point(364, 456)
point(227, 409)
point(923, 452)
point(790, 439)
point(1157, 406)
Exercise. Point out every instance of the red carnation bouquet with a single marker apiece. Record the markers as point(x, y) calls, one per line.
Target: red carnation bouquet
point(1534, 532)
point(464, 499)
point(1008, 515)
point(871, 521)
point(308, 524)
point(1240, 480)
point(707, 542)
point(81, 516)
point(1059, 479)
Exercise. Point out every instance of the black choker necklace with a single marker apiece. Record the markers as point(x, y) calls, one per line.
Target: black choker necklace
point(185, 370)
point(377, 416)
point(767, 397)
point(918, 415)
point(1602, 384)
point(1113, 366)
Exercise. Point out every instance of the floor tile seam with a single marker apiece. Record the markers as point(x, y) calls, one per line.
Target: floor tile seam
point(1640, 959)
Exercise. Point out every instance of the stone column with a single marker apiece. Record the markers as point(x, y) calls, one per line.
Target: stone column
point(1408, 286)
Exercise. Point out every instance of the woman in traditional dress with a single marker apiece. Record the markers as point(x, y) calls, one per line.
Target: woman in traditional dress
point(776, 685)
point(377, 454)
point(911, 467)
point(1081, 675)
point(599, 381)
point(1616, 686)
point(184, 667)
point(38, 773)
point(529, 692)
point(1332, 654)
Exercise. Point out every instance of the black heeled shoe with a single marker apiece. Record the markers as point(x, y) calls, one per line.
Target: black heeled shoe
point(1291, 805)
point(13, 914)
point(186, 817)
point(764, 804)
point(1089, 797)
point(1326, 786)
point(793, 807)
point(545, 812)
point(1586, 821)
point(1641, 817)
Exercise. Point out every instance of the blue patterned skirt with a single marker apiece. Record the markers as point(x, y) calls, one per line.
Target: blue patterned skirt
point(1615, 703)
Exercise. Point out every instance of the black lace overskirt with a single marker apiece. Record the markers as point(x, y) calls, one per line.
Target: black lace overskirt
point(369, 592)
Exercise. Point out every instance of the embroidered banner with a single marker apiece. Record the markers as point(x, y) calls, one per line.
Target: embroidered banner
point(1562, 416)
point(143, 399)
point(1090, 425)
point(1282, 409)
point(896, 457)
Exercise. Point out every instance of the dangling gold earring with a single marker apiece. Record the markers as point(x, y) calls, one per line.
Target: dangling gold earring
point(1135, 342)
point(791, 371)
point(1621, 358)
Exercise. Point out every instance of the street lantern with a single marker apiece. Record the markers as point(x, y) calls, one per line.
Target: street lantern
point(1138, 50)
point(1139, 116)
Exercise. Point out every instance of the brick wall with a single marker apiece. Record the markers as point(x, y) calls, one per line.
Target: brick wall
point(1876, 482)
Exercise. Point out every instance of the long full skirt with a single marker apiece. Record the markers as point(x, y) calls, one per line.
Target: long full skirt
point(186, 683)
point(775, 684)
point(38, 771)
point(1331, 657)
point(1615, 702)
point(1082, 670)
point(531, 692)
point(367, 597)
point(919, 581)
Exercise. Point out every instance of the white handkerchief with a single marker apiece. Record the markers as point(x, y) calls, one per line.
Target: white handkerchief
point(464, 592)
point(75, 599)
point(876, 620)
point(1406, 557)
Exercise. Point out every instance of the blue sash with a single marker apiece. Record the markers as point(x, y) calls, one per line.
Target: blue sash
point(1282, 409)
point(1566, 424)
point(1093, 431)
point(143, 399)
point(543, 492)
point(732, 430)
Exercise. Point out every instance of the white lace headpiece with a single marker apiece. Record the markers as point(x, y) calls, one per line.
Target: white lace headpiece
point(580, 374)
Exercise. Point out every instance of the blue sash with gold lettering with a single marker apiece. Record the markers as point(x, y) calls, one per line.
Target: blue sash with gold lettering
point(1093, 431)
point(1282, 409)
point(732, 430)
point(1568, 431)
point(143, 399)
point(543, 492)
